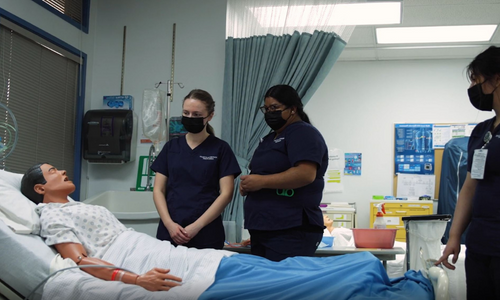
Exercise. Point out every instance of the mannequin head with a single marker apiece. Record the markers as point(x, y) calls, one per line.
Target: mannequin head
point(328, 222)
point(44, 183)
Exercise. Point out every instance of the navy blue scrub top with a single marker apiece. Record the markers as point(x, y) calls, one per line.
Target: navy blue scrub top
point(484, 229)
point(193, 175)
point(272, 209)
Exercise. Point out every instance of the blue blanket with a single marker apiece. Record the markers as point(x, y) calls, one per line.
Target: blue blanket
point(352, 276)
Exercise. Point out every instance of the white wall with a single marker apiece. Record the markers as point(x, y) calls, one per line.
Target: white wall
point(358, 104)
point(199, 63)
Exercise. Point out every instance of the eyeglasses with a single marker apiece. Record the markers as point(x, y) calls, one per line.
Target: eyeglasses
point(265, 109)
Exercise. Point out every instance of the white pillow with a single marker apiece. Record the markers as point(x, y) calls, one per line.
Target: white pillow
point(17, 211)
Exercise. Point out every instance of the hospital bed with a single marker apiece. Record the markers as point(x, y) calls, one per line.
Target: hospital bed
point(25, 259)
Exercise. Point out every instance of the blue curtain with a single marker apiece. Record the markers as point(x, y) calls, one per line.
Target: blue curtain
point(252, 66)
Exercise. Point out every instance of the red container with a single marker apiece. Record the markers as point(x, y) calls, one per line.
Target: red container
point(374, 238)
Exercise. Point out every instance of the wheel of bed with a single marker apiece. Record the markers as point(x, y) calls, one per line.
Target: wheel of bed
point(28, 259)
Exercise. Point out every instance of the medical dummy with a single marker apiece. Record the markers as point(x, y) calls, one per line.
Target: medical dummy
point(90, 235)
point(328, 225)
point(45, 184)
point(342, 237)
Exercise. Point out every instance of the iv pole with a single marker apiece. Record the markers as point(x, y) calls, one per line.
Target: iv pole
point(170, 97)
point(170, 87)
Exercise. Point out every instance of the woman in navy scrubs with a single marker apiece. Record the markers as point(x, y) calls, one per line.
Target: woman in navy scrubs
point(478, 204)
point(285, 186)
point(194, 179)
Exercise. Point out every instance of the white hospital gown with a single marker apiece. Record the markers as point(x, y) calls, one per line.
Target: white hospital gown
point(341, 236)
point(93, 226)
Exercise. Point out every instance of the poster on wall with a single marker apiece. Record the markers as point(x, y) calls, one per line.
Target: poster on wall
point(442, 134)
point(410, 185)
point(352, 164)
point(333, 175)
point(414, 153)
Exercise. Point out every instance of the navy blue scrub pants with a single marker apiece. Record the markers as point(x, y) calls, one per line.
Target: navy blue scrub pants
point(482, 276)
point(277, 245)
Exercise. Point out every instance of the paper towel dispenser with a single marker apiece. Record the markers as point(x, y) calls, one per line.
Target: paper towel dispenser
point(109, 136)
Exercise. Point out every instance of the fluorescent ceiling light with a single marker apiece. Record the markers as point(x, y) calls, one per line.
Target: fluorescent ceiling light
point(373, 13)
point(435, 34)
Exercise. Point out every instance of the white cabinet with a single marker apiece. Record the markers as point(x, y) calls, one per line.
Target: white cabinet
point(342, 216)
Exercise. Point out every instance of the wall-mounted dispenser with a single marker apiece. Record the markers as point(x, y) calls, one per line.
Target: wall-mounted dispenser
point(109, 136)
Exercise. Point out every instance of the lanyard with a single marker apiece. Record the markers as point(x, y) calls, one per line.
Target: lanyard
point(487, 139)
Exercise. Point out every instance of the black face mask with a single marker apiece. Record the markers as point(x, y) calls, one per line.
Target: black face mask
point(479, 99)
point(193, 125)
point(274, 119)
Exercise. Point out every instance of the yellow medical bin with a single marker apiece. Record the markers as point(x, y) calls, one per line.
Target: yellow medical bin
point(395, 210)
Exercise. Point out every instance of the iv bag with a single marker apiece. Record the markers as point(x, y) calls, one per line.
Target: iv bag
point(154, 114)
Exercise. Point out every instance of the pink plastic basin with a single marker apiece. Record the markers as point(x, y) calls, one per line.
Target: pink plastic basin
point(374, 238)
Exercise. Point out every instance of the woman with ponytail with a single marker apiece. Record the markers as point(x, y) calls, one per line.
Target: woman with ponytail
point(284, 189)
point(194, 179)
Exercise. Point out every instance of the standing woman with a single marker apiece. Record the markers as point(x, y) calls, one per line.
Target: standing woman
point(194, 179)
point(478, 204)
point(285, 186)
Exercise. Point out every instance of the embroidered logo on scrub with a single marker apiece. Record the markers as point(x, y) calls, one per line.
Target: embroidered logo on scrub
point(279, 140)
point(285, 193)
point(211, 157)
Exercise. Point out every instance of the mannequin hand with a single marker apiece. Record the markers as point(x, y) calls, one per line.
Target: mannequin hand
point(452, 247)
point(251, 183)
point(178, 234)
point(158, 280)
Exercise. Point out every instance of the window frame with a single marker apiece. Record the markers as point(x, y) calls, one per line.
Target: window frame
point(80, 99)
point(85, 14)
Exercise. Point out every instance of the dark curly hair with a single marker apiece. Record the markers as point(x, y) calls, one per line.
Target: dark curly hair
point(33, 176)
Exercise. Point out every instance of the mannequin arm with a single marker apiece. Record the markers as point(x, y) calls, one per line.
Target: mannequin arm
point(154, 280)
point(77, 253)
point(440, 282)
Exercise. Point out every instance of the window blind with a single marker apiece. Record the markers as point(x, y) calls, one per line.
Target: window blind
point(70, 8)
point(39, 85)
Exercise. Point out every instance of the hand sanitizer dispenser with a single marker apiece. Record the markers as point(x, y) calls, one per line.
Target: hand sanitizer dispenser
point(109, 136)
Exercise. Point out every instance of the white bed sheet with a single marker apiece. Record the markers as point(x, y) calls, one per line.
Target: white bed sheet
point(27, 259)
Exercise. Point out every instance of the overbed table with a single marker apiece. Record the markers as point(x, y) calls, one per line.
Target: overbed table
point(383, 254)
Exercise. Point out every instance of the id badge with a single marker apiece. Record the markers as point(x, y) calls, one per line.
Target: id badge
point(478, 163)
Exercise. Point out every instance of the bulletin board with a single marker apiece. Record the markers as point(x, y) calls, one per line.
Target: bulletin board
point(442, 132)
